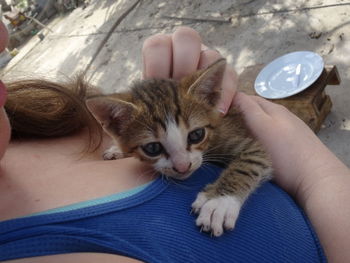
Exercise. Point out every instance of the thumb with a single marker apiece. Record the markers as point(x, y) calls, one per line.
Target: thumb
point(254, 115)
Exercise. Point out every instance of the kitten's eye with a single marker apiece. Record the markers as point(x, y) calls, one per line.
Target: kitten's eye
point(152, 149)
point(196, 136)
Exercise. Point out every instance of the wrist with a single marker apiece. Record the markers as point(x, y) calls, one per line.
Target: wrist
point(323, 169)
point(324, 197)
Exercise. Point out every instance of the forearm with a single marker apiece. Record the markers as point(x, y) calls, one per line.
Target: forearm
point(326, 203)
point(306, 169)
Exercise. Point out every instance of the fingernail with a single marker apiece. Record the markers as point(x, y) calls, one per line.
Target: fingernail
point(222, 110)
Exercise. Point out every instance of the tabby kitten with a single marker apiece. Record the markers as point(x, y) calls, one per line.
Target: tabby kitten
point(175, 126)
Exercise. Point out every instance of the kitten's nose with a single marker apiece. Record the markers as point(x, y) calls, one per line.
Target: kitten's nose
point(182, 168)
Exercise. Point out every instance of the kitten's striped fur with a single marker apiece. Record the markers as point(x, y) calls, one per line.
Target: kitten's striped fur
point(172, 115)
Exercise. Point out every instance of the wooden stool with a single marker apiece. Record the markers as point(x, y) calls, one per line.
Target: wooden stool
point(311, 105)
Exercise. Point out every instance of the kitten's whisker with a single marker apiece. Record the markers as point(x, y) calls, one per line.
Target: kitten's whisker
point(176, 182)
point(164, 178)
point(218, 156)
point(216, 145)
point(144, 173)
point(208, 167)
point(195, 164)
point(213, 148)
point(216, 161)
point(147, 170)
point(228, 157)
point(221, 154)
point(169, 179)
point(213, 159)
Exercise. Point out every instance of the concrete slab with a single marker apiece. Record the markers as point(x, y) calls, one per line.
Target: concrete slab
point(247, 32)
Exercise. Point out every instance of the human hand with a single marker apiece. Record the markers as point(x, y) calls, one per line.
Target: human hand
point(180, 54)
point(299, 158)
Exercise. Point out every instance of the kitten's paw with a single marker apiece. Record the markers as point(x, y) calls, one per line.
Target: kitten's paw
point(216, 214)
point(113, 153)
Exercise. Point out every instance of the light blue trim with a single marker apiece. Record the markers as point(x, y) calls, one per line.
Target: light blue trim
point(97, 201)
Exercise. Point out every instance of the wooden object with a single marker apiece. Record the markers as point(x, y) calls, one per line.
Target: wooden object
point(311, 105)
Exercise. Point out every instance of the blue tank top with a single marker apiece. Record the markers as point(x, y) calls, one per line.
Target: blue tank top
point(155, 225)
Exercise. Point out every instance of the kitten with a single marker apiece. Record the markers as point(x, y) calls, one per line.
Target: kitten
point(175, 126)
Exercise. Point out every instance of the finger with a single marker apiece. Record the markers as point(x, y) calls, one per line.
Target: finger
point(207, 57)
point(157, 56)
point(229, 88)
point(254, 115)
point(253, 103)
point(186, 51)
point(229, 82)
point(245, 103)
point(272, 109)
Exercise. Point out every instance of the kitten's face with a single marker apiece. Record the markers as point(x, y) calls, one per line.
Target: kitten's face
point(164, 122)
point(171, 138)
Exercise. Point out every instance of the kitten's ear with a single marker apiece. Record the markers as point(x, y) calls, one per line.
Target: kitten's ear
point(207, 82)
point(113, 114)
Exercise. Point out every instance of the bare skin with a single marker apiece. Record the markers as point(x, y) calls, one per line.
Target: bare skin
point(41, 175)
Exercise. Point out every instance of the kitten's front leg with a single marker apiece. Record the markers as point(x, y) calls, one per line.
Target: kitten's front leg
point(216, 213)
point(113, 153)
point(219, 204)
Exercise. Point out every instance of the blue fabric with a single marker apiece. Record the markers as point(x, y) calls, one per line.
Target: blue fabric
point(155, 226)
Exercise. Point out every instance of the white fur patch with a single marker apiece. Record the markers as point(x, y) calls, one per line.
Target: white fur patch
point(113, 153)
point(216, 214)
point(174, 142)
